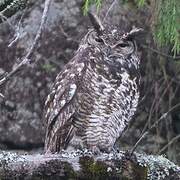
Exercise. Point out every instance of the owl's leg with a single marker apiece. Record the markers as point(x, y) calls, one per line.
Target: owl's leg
point(115, 148)
point(115, 152)
point(95, 150)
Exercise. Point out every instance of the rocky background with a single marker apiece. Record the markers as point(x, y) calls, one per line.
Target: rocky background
point(21, 111)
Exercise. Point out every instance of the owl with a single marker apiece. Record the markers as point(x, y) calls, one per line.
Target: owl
point(96, 94)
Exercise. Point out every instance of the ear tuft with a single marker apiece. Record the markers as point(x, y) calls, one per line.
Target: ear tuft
point(130, 35)
point(96, 22)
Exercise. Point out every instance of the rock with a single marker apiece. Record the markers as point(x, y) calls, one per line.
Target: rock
point(21, 112)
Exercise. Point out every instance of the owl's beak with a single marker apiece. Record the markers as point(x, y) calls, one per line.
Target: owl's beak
point(96, 23)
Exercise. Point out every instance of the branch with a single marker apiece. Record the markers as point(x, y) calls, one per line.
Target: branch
point(169, 143)
point(109, 9)
point(27, 59)
point(153, 126)
point(83, 165)
point(10, 7)
point(160, 53)
point(17, 30)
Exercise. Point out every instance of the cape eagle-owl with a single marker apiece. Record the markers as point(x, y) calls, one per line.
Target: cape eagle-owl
point(96, 94)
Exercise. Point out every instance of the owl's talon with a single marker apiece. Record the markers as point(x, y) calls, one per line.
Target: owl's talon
point(95, 150)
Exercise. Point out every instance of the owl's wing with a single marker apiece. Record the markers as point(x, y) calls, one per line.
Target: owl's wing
point(59, 107)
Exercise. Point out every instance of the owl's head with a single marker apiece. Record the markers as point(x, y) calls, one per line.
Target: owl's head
point(110, 38)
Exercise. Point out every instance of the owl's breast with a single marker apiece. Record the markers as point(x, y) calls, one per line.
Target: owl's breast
point(99, 98)
point(102, 94)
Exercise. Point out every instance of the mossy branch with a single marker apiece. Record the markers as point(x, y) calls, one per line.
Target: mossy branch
point(83, 165)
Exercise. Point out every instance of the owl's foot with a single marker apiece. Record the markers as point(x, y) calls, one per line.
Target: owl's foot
point(95, 150)
point(115, 151)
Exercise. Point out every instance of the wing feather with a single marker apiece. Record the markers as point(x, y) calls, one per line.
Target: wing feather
point(60, 106)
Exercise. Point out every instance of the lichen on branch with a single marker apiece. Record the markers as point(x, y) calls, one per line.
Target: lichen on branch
point(84, 165)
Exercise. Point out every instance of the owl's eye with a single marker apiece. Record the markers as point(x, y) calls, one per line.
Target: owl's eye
point(122, 45)
point(99, 40)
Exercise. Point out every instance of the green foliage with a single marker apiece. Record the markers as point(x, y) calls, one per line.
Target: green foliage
point(140, 3)
point(167, 25)
point(88, 3)
point(48, 67)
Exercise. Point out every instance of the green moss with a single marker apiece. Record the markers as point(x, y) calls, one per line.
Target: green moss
point(99, 170)
point(48, 67)
point(69, 172)
point(132, 170)
point(93, 170)
point(141, 172)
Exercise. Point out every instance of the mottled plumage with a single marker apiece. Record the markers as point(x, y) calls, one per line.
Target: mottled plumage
point(96, 94)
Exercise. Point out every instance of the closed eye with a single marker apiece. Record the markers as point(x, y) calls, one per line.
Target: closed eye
point(99, 40)
point(122, 45)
